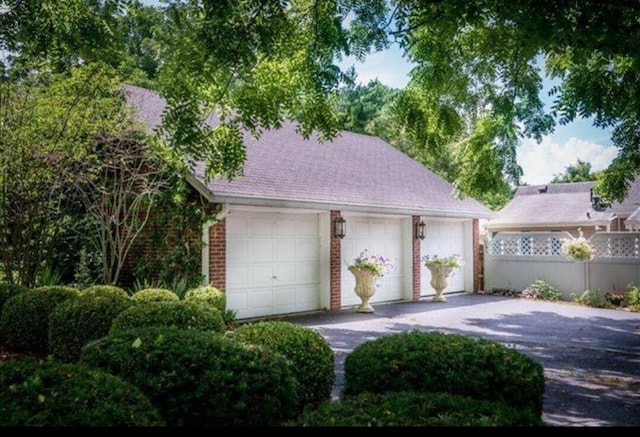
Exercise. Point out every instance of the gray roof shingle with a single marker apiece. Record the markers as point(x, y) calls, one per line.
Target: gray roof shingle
point(352, 172)
point(563, 204)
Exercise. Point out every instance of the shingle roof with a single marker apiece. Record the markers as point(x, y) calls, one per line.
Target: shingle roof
point(567, 204)
point(352, 172)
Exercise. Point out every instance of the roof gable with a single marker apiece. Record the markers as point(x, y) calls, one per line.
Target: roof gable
point(351, 172)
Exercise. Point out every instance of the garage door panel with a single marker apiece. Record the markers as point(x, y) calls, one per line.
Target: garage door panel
point(379, 237)
point(443, 239)
point(280, 269)
point(260, 227)
point(240, 253)
point(259, 250)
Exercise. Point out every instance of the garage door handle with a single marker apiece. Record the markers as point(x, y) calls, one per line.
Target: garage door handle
point(274, 277)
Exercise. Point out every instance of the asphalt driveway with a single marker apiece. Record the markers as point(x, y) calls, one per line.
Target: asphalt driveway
point(591, 356)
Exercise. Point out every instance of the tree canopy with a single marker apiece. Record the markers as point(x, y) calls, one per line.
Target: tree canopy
point(473, 95)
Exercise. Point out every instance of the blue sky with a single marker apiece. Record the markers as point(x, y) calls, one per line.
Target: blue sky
point(539, 162)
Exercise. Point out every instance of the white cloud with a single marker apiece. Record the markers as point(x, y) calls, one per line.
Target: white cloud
point(541, 162)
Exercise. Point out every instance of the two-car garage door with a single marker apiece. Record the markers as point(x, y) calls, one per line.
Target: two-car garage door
point(273, 263)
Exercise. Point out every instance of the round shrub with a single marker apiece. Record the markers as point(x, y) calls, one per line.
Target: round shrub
point(414, 409)
point(105, 290)
point(76, 322)
point(311, 356)
point(154, 295)
point(208, 294)
point(8, 291)
point(181, 314)
point(200, 378)
point(50, 393)
point(437, 362)
point(24, 323)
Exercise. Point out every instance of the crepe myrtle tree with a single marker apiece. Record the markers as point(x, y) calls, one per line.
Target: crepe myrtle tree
point(118, 186)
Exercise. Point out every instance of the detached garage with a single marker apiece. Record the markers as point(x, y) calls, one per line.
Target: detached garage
point(274, 247)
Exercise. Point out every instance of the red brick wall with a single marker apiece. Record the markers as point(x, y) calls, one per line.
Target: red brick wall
point(335, 265)
point(218, 254)
point(415, 242)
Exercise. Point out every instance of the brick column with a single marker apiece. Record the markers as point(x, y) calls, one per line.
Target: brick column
point(478, 257)
point(335, 266)
point(416, 267)
point(218, 254)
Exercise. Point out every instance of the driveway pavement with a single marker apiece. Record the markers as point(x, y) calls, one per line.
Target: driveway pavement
point(591, 356)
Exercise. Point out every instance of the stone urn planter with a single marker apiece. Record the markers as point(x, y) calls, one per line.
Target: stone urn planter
point(439, 275)
point(365, 287)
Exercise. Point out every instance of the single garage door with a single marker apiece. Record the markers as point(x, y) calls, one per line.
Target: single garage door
point(381, 236)
point(272, 263)
point(443, 238)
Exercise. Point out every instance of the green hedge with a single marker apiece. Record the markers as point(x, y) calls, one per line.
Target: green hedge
point(200, 378)
point(49, 393)
point(105, 290)
point(76, 322)
point(311, 356)
point(208, 294)
point(437, 362)
point(180, 314)
point(24, 323)
point(402, 409)
point(154, 295)
point(7, 291)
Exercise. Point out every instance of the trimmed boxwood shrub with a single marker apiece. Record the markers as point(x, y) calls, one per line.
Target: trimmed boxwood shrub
point(105, 290)
point(311, 356)
point(24, 322)
point(154, 295)
point(50, 393)
point(208, 294)
point(200, 378)
point(8, 291)
point(437, 362)
point(181, 314)
point(76, 322)
point(414, 409)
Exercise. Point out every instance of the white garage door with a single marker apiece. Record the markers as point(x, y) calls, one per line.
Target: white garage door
point(444, 238)
point(272, 263)
point(381, 236)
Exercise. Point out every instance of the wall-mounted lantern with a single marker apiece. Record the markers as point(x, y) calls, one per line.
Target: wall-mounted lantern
point(339, 227)
point(421, 230)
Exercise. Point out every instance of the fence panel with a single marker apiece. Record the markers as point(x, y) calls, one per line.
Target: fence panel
point(513, 261)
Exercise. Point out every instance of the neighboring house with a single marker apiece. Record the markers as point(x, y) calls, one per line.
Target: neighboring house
point(566, 207)
point(273, 247)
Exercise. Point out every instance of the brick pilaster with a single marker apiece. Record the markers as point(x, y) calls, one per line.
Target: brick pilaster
point(218, 254)
point(335, 266)
point(415, 244)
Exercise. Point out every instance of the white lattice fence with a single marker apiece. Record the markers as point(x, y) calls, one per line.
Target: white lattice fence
point(515, 260)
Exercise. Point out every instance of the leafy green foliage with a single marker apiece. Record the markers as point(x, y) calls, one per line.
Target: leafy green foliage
point(24, 323)
point(400, 409)
point(207, 294)
point(592, 298)
point(311, 357)
point(154, 295)
point(437, 362)
point(76, 322)
point(7, 291)
point(110, 291)
point(180, 314)
point(541, 290)
point(580, 172)
point(198, 378)
point(49, 394)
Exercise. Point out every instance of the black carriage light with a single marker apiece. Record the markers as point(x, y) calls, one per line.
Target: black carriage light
point(339, 227)
point(421, 229)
